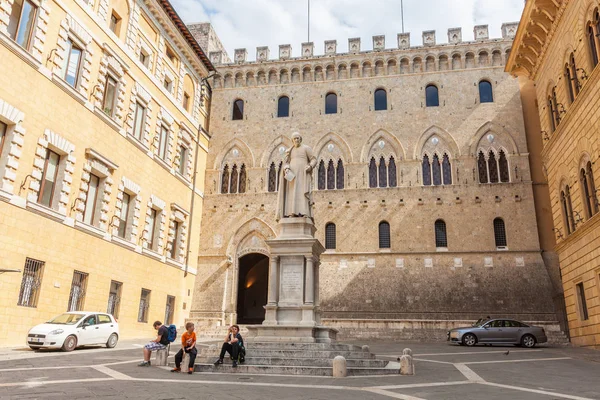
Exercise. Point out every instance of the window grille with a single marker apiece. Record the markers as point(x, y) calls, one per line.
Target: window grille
point(242, 188)
point(382, 173)
point(114, 298)
point(426, 171)
point(238, 110)
point(437, 170)
point(31, 282)
point(169, 310)
point(500, 232)
point(225, 180)
point(380, 100)
point(447, 170)
point(503, 165)
point(482, 168)
point(78, 288)
point(486, 94)
point(322, 179)
point(372, 173)
point(330, 175)
point(144, 306)
point(283, 107)
point(493, 167)
point(441, 239)
point(384, 235)
point(330, 236)
point(272, 177)
point(340, 175)
point(392, 173)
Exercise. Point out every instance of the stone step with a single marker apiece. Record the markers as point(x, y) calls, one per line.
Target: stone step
point(304, 362)
point(318, 354)
point(301, 346)
point(294, 370)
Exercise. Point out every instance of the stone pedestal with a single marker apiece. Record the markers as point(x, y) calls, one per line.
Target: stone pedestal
point(292, 310)
point(161, 357)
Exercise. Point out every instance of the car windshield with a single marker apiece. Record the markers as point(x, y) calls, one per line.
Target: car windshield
point(480, 322)
point(66, 319)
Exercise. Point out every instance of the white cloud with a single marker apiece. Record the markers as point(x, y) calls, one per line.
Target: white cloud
point(251, 23)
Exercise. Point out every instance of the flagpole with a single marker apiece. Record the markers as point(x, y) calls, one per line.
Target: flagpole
point(401, 12)
point(308, 20)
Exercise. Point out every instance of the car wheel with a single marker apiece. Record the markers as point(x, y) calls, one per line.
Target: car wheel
point(528, 341)
point(469, 339)
point(70, 343)
point(112, 341)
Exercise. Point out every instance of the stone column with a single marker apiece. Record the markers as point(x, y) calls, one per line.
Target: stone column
point(309, 281)
point(273, 280)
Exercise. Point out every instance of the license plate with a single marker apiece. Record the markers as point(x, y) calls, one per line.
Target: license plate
point(36, 340)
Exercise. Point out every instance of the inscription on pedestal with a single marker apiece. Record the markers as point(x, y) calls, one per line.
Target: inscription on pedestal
point(292, 280)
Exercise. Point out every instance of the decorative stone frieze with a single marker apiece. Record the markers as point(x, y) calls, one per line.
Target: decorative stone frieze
point(354, 45)
point(240, 55)
point(481, 32)
point(285, 51)
point(404, 40)
point(330, 47)
point(379, 42)
point(308, 49)
point(262, 53)
point(454, 35)
point(429, 38)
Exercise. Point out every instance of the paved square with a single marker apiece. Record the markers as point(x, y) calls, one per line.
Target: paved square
point(443, 372)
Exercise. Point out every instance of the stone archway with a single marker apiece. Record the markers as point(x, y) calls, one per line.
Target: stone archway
point(253, 284)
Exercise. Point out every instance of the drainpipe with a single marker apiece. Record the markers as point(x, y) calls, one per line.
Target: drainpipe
point(203, 81)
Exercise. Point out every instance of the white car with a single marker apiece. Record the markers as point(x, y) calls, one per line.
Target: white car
point(74, 329)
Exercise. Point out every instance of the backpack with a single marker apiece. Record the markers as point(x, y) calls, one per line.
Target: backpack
point(171, 333)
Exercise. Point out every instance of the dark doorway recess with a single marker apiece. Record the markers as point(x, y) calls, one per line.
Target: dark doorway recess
point(253, 285)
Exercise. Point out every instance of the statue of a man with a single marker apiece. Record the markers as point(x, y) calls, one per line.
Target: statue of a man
point(295, 183)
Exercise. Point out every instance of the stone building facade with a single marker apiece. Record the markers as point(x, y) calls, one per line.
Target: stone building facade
point(557, 48)
point(423, 188)
point(102, 152)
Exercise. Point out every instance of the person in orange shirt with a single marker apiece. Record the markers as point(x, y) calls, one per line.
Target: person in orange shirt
point(188, 345)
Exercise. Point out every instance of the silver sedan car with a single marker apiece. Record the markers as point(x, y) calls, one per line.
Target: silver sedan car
point(498, 331)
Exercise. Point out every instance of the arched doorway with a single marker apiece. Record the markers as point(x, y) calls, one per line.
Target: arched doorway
point(253, 285)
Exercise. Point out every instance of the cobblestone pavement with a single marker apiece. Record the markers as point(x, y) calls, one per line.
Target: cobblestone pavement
point(443, 372)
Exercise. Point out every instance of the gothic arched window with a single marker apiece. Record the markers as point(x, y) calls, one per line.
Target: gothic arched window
point(339, 182)
point(330, 175)
point(441, 239)
point(238, 110)
point(447, 170)
point(432, 98)
point(426, 171)
point(330, 238)
point(592, 34)
point(492, 167)
point(585, 191)
point(382, 173)
point(503, 166)
point(486, 95)
point(331, 103)
point(283, 107)
point(384, 235)
point(567, 207)
point(233, 183)
point(380, 99)
point(436, 170)
point(321, 178)
point(225, 180)
point(372, 173)
point(242, 188)
point(592, 187)
point(500, 233)
point(393, 178)
point(482, 168)
point(272, 178)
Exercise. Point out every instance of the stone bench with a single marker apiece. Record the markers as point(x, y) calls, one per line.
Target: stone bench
point(161, 357)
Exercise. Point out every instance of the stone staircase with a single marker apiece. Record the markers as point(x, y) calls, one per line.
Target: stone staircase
point(314, 359)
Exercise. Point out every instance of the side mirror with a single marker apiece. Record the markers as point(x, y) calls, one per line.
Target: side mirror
point(486, 326)
point(85, 324)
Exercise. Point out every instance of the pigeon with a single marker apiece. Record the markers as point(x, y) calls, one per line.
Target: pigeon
point(507, 352)
point(398, 359)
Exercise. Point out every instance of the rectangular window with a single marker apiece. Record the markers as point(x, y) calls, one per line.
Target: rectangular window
point(48, 181)
point(89, 212)
point(186, 101)
point(31, 282)
point(171, 54)
point(22, 22)
point(169, 310)
point(163, 142)
point(115, 23)
point(124, 215)
point(78, 287)
point(139, 121)
point(144, 59)
point(183, 160)
point(583, 311)
point(3, 129)
point(152, 227)
point(110, 95)
point(72, 63)
point(114, 298)
point(168, 84)
point(144, 306)
point(175, 244)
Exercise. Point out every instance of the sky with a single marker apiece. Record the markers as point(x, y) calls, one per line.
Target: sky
point(252, 23)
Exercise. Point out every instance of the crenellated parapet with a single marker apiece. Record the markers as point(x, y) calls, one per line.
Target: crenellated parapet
point(457, 54)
